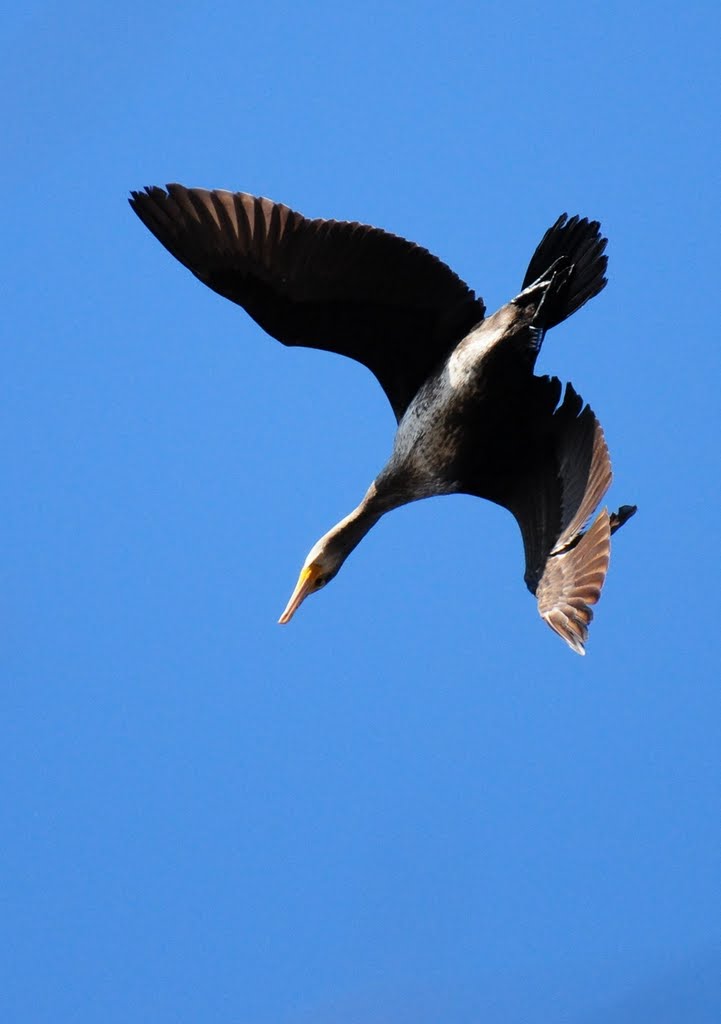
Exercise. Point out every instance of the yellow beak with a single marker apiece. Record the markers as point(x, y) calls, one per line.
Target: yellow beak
point(304, 586)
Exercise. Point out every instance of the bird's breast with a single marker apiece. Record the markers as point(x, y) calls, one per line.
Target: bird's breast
point(459, 427)
point(432, 437)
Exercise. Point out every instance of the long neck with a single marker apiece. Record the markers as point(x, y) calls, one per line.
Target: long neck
point(351, 530)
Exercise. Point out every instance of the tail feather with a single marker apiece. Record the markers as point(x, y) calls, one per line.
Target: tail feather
point(575, 243)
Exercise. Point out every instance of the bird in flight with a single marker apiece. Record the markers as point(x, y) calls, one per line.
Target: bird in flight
point(473, 418)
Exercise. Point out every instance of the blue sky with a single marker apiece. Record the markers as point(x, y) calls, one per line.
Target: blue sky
point(413, 804)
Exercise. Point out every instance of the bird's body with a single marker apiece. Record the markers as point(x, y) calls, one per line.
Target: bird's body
point(452, 438)
point(472, 416)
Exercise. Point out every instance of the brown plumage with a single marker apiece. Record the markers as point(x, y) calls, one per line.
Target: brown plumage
point(472, 416)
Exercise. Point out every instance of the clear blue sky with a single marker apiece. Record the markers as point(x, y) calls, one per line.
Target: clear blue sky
point(414, 804)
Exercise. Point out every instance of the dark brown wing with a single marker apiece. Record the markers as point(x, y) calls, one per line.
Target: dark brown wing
point(567, 473)
point(344, 287)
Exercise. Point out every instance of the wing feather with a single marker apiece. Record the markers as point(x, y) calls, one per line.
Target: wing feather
point(572, 583)
point(563, 480)
point(340, 286)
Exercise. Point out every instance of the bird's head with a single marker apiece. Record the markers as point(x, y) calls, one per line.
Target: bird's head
point(327, 556)
point(323, 562)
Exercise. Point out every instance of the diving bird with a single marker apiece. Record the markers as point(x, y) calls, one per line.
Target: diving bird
point(473, 418)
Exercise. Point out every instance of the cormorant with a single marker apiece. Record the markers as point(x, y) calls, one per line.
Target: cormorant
point(472, 416)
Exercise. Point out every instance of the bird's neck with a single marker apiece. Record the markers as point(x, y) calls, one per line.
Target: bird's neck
point(351, 530)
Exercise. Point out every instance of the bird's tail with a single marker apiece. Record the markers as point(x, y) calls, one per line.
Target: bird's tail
point(570, 259)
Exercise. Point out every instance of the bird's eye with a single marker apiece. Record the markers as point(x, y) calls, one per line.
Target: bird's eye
point(321, 581)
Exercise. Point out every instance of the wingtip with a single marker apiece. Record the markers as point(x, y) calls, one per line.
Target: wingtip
point(138, 195)
point(573, 632)
point(566, 604)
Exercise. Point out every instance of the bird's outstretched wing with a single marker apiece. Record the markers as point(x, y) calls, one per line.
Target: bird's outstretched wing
point(560, 483)
point(344, 287)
